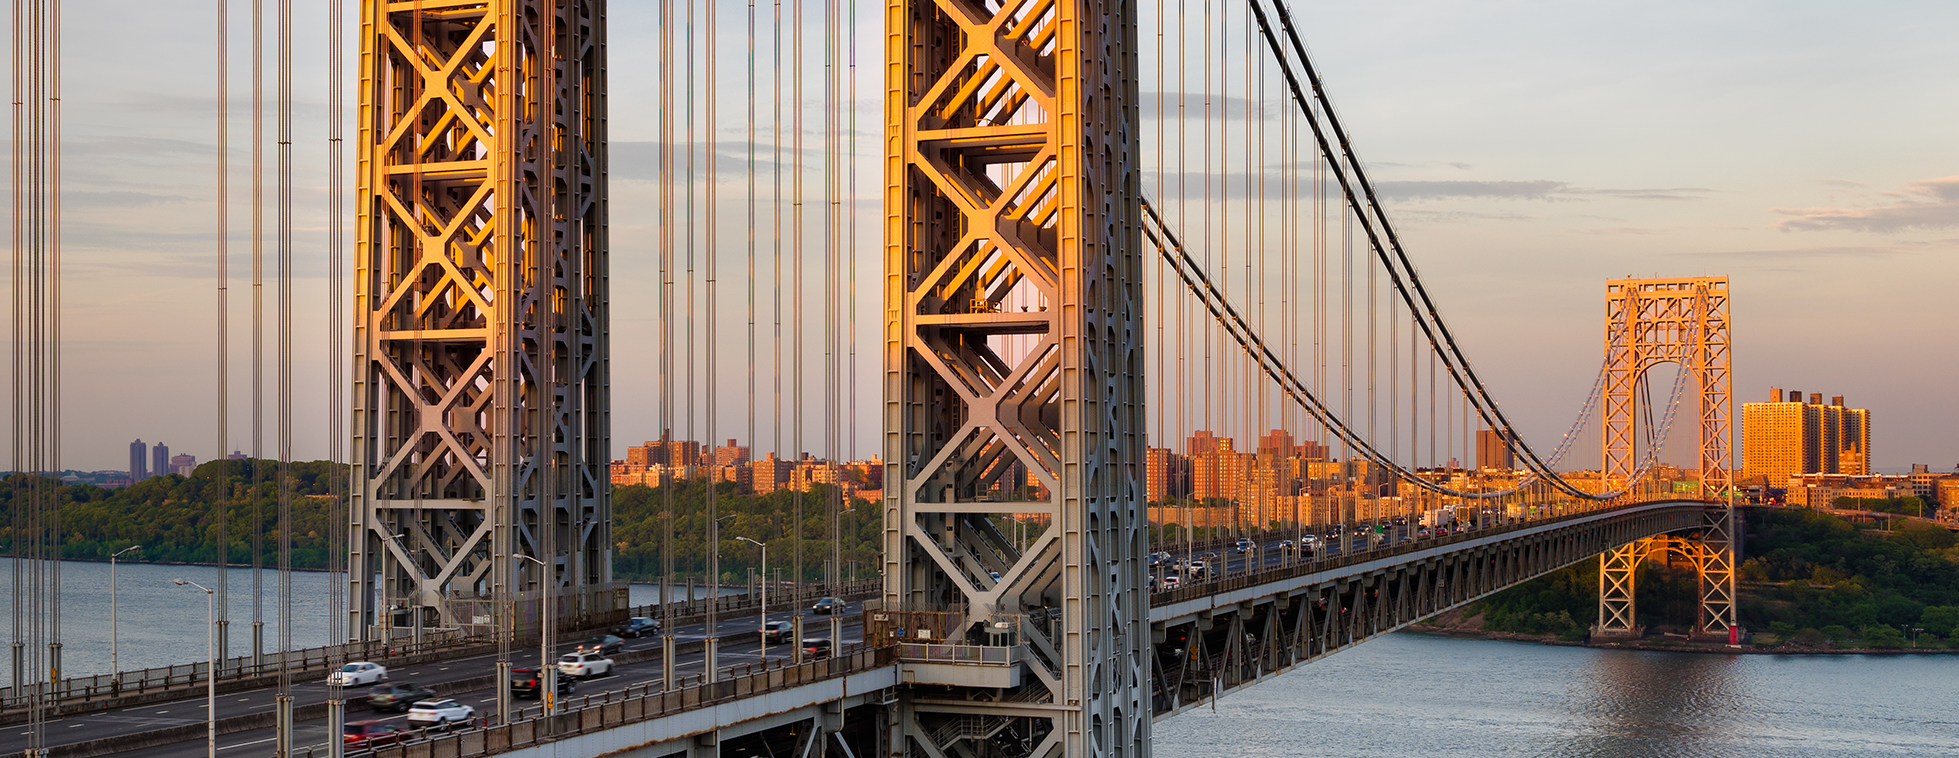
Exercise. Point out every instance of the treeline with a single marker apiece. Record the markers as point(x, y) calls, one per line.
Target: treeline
point(1806, 577)
point(174, 518)
point(638, 524)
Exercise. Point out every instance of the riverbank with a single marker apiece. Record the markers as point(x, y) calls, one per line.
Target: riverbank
point(1471, 622)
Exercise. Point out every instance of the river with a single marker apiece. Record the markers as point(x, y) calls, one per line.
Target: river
point(1407, 694)
point(1399, 695)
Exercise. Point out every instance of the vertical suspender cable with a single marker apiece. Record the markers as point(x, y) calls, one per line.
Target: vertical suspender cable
point(22, 552)
point(1254, 247)
point(847, 30)
point(337, 474)
point(796, 252)
point(222, 487)
point(708, 316)
point(796, 248)
point(53, 153)
point(258, 326)
point(284, 418)
point(666, 334)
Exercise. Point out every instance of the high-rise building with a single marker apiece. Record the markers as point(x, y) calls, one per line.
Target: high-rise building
point(160, 459)
point(1787, 436)
point(1491, 453)
point(1854, 454)
point(1168, 474)
point(183, 465)
point(1219, 472)
point(730, 454)
point(139, 465)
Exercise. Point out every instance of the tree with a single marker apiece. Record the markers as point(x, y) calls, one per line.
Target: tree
point(1883, 636)
point(1940, 619)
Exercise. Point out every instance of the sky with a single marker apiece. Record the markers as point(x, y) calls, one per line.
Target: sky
point(1527, 151)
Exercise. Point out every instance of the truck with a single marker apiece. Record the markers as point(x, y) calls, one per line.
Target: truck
point(1444, 516)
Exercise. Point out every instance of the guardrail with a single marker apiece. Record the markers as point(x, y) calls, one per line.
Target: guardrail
point(318, 660)
point(609, 710)
point(186, 675)
point(953, 653)
point(1225, 582)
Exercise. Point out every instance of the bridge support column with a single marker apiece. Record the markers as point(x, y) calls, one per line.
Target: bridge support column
point(481, 416)
point(1712, 552)
point(1617, 614)
point(1013, 379)
point(1715, 562)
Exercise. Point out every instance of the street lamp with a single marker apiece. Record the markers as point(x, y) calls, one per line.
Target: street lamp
point(211, 670)
point(115, 664)
point(765, 596)
point(547, 671)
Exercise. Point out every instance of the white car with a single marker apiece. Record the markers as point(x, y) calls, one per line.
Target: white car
point(584, 665)
point(440, 712)
point(1171, 583)
point(358, 673)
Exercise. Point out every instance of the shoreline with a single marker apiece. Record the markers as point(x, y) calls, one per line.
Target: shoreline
point(1669, 645)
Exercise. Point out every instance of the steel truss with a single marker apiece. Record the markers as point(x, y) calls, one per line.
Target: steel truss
point(481, 404)
point(1013, 348)
point(1685, 322)
point(1207, 645)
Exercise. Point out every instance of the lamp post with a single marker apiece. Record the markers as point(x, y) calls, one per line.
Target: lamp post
point(765, 596)
point(115, 662)
point(547, 671)
point(211, 668)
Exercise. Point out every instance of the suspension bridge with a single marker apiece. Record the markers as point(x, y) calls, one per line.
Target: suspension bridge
point(1053, 301)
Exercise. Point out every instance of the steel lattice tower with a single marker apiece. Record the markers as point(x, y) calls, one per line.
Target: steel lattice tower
point(481, 402)
point(1685, 322)
point(1013, 348)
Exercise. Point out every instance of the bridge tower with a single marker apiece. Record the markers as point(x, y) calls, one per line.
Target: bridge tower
point(481, 408)
point(1685, 322)
point(1013, 380)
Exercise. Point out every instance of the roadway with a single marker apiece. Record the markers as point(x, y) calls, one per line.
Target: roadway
point(1227, 561)
point(739, 645)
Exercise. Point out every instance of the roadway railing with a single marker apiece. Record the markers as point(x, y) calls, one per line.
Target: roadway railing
point(955, 653)
point(239, 670)
point(1225, 581)
point(188, 675)
point(612, 709)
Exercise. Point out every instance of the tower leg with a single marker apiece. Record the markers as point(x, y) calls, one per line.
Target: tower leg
point(1716, 562)
point(1617, 618)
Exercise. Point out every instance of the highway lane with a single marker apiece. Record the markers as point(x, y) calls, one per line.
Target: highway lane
point(136, 719)
point(1228, 561)
point(739, 647)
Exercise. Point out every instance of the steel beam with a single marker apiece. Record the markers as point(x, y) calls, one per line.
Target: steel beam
point(481, 405)
point(1013, 365)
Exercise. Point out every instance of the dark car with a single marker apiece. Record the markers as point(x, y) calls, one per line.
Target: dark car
point(828, 606)
point(397, 697)
point(638, 626)
point(524, 684)
point(604, 643)
point(371, 733)
point(816, 647)
point(777, 631)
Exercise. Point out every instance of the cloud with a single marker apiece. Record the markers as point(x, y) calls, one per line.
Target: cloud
point(1456, 217)
point(1539, 189)
point(1832, 252)
point(1926, 205)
